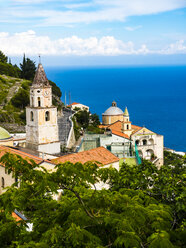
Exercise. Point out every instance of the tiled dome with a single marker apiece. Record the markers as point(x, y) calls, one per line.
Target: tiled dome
point(113, 110)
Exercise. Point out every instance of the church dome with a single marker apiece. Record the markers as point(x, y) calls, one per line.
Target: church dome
point(4, 134)
point(113, 110)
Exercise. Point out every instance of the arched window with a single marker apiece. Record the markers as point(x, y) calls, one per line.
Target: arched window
point(144, 142)
point(2, 182)
point(31, 116)
point(39, 101)
point(151, 141)
point(127, 126)
point(47, 116)
point(137, 142)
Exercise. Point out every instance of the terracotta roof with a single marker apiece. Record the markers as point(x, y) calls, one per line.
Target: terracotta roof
point(74, 103)
point(116, 129)
point(120, 134)
point(135, 128)
point(4, 149)
point(103, 126)
point(16, 217)
point(100, 154)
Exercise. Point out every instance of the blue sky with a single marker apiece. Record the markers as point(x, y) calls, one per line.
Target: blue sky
point(107, 30)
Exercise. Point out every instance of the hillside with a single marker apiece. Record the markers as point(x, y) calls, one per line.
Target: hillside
point(14, 98)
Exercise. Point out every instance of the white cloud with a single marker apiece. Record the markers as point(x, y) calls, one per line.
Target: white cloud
point(31, 44)
point(178, 47)
point(70, 12)
point(133, 28)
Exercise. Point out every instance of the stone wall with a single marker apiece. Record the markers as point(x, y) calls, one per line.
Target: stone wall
point(13, 127)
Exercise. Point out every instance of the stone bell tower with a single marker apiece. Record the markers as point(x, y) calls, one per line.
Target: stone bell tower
point(41, 116)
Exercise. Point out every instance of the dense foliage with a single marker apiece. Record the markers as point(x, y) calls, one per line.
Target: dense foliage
point(83, 120)
point(28, 68)
point(144, 207)
point(55, 89)
point(7, 68)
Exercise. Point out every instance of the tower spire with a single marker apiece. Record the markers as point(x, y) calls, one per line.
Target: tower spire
point(40, 76)
point(126, 113)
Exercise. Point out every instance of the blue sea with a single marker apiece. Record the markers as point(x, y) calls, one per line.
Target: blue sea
point(155, 96)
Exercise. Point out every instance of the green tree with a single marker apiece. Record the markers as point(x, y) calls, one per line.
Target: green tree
point(82, 118)
point(28, 68)
point(125, 215)
point(95, 120)
point(20, 99)
point(3, 57)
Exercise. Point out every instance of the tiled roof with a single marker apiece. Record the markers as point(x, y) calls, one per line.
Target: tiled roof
point(100, 154)
point(74, 103)
point(4, 149)
point(135, 128)
point(116, 129)
point(120, 134)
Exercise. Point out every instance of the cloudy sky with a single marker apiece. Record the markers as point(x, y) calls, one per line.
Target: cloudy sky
point(104, 30)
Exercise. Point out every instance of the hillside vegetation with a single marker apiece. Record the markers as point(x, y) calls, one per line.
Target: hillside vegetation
point(14, 90)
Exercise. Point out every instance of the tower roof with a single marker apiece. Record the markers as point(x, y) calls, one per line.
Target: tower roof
point(40, 76)
point(126, 113)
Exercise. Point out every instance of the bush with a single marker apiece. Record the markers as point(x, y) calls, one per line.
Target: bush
point(55, 89)
point(21, 99)
point(9, 70)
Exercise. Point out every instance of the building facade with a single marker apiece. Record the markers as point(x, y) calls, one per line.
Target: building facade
point(149, 144)
point(41, 116)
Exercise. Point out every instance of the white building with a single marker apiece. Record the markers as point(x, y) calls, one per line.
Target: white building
point(150, 145)
point(80, 106)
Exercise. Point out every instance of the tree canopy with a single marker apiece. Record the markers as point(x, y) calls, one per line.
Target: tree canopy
point(28, 68)
point(3, 57)
point(144, 206)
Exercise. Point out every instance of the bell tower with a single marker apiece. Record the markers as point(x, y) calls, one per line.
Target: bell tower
point(41, 116)
point(126, 123)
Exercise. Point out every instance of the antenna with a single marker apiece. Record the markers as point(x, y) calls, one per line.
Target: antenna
point(65, 99)
point(39, 55)
point(69, 98)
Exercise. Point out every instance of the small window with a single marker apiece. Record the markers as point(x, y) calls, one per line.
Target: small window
point(31, 116)
point(38, 91)
point(2, 182)
point(39, 102)
point(127, 126)
point(144, 142)
point(137, 142)
point(47, 116)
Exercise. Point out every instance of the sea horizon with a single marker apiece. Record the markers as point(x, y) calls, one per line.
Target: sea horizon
point(155, 95)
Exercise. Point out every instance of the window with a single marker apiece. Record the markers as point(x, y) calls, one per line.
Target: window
point(144, 142)
point(127, 126)
point(31, 116)
point(109, 147)
point(47, 116)
point(137, 142)
point(39, 102)
point(2, 182)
